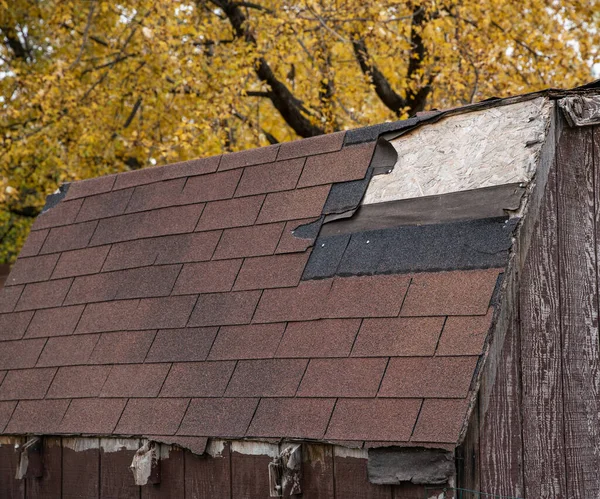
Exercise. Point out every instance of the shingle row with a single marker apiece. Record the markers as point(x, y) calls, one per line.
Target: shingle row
point(398, 420)
point(236, 293)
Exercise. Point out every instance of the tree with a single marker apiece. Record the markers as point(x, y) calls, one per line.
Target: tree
point(98, 87)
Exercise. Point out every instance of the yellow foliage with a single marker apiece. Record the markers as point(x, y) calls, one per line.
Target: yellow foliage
point(95, 87)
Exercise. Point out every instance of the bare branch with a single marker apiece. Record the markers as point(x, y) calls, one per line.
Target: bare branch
point(250, 5)
point(280, 95)
point(136, 106)
point(252, 93)
point(85, 35)
point(414, 101)
point(95, 39)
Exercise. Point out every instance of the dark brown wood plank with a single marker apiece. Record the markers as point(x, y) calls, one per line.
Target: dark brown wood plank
point(250, 473)
point(10, 487)
point(578, 310)
point(412, 491)
point(80, 458)
point(172, 482)
point(207, 477)
point(116, 479)
point(49, 485)
point(468, 476)
point(317, 471)
point(542, 409)
point(501, 446)
point(352, 482)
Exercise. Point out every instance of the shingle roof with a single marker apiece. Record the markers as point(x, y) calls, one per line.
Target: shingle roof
point(173, 301)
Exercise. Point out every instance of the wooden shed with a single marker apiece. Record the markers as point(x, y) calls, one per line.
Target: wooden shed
point(408, 310)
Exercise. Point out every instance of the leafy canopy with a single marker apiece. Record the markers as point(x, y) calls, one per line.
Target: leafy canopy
point(95, 87)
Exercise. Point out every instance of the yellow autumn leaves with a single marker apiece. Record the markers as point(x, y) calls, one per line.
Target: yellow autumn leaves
point(95, 87)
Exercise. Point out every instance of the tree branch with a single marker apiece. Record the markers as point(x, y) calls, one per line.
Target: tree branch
point(414, 101)
point(282, 98)
point(136, 106)
point(86, 32)
point(250, 5)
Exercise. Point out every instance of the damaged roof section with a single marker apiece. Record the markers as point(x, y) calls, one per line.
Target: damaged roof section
point(251, 295)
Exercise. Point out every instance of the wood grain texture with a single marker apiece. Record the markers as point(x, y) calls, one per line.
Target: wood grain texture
point(49, 485)
point(116, 479)
point(317, 471)
point(249, 476)
point(10, 487)
point(207, 477)
point(542, 395)
point(172, 476)
point(468, 462)
point(501, 446)
point(578, 310)
point(351, 480)
point(412, 491)
point(78, 464)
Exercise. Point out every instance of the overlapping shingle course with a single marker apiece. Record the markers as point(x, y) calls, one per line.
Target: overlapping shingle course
point(170, 301)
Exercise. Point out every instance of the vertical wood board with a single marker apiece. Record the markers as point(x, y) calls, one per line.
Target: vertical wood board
point(317, 471)
point(501, 447)
point(352, 482)
point(542, 395)
point(468, 474)
point(49, 485)
point(249, 476)
point(208, 477)
point(10, 487)
point(172, 475)
point(116, 479)
point(578, 311)
point(78, 464)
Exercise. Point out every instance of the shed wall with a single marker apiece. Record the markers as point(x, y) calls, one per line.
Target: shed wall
point(92, 472)
point(539, 432)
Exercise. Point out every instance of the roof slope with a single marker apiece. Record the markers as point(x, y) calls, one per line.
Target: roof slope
point(177, 302)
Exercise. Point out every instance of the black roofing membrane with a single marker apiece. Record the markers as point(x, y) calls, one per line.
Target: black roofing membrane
point(462, 245)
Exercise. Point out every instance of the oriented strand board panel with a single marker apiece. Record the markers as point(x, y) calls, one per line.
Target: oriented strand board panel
point(495, 146)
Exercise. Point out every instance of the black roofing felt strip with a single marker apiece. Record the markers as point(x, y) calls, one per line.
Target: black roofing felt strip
point(346, 196)
point(487, 202)
point(56, 197)
point(309, 230)
point(370, 133)
point(326, 256)
point(396, 128)
point(470, 244)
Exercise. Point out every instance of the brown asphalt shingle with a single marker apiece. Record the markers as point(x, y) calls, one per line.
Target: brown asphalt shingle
point(170, 301)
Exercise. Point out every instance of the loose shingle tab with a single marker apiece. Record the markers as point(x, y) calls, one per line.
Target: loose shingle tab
point(203, 300)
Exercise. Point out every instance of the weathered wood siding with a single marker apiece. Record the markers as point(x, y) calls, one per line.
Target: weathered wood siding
point(540, 433)
point(81, 468)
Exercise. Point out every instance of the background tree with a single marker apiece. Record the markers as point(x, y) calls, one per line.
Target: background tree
point(89, 88)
